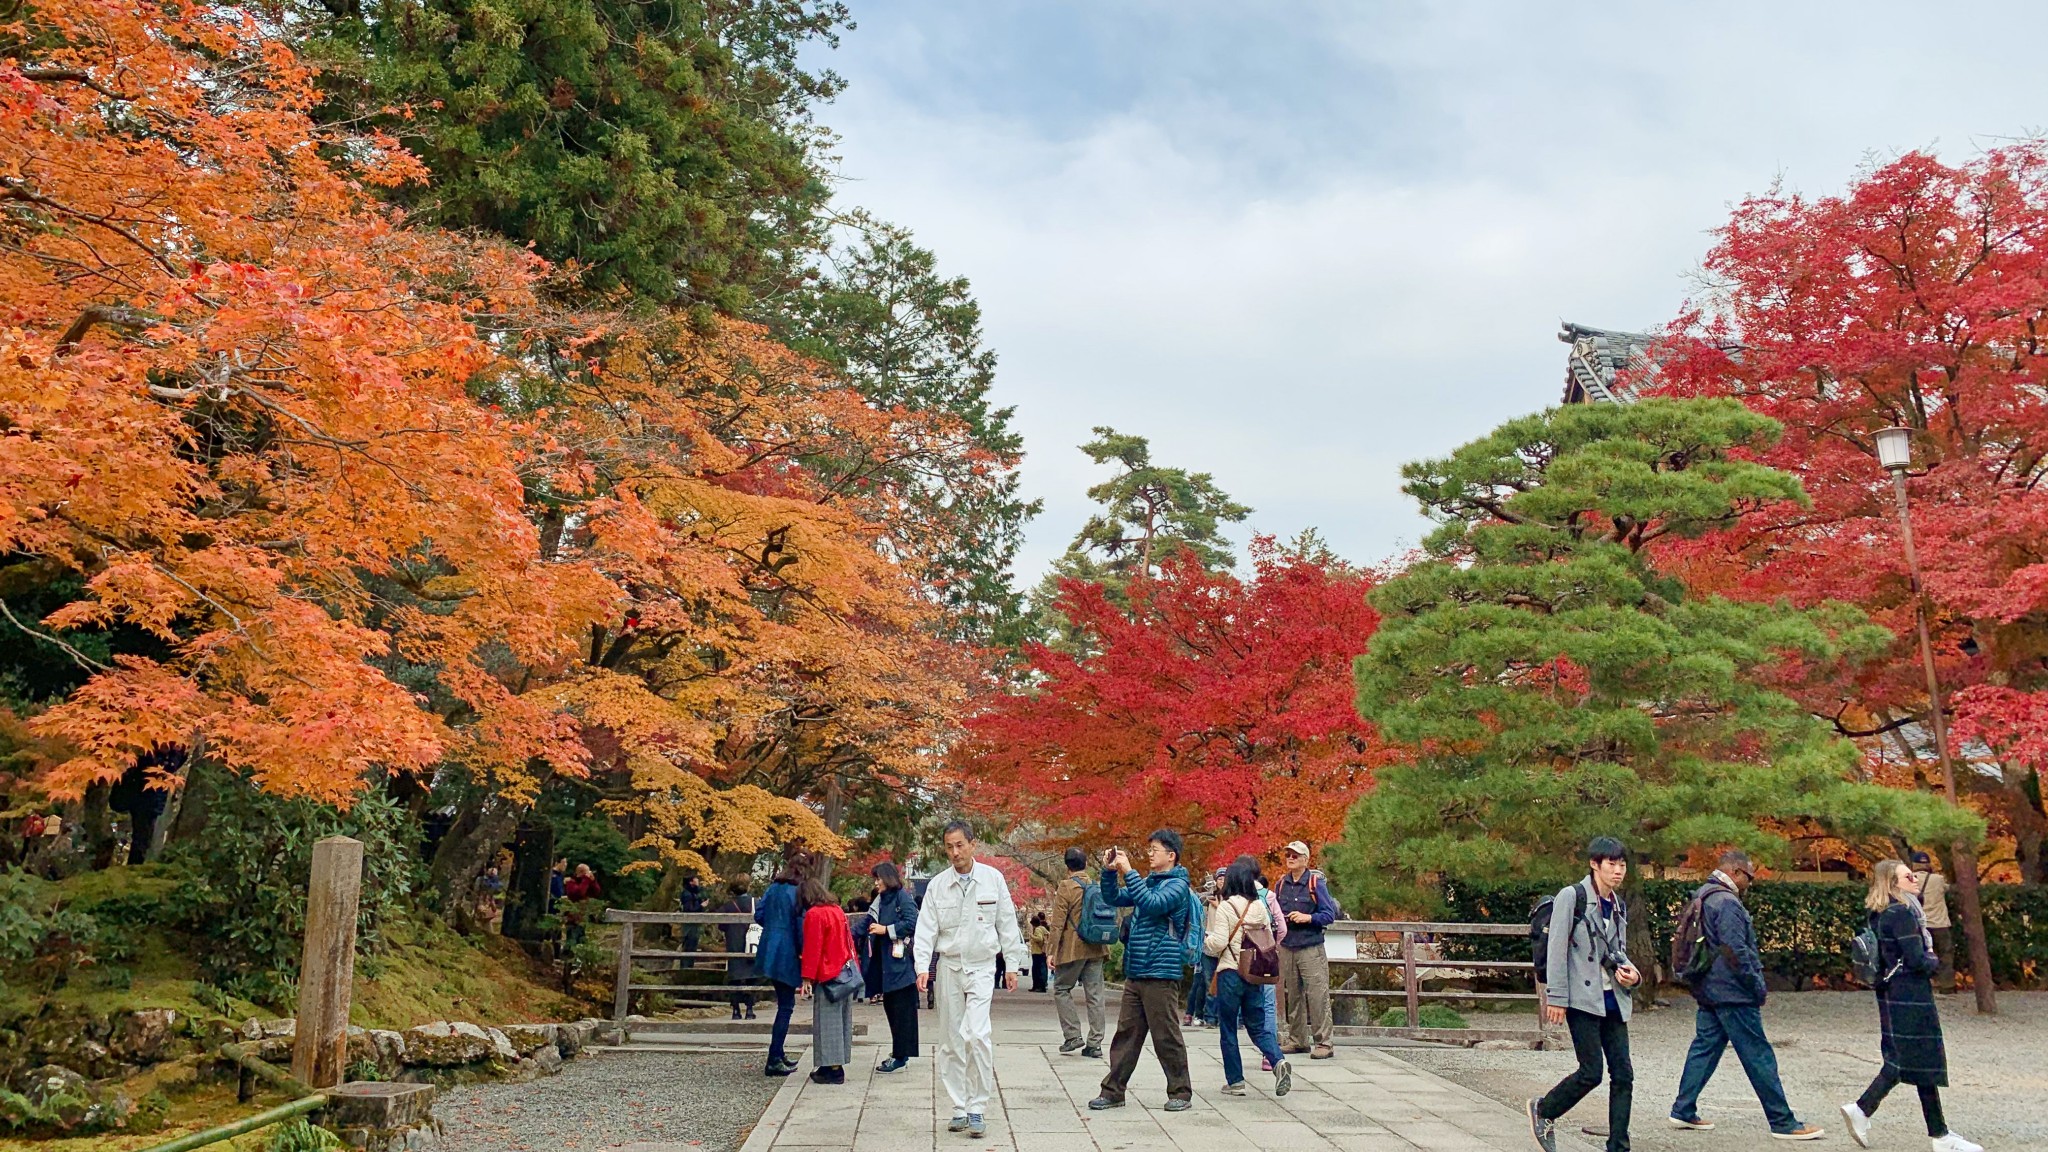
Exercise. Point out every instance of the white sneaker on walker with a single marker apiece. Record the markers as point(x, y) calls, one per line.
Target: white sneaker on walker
point(1955, 1143)
point(1859, 1124)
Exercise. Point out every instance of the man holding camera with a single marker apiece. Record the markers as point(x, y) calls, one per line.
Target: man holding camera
point(1154, 963)
point(1590, 989)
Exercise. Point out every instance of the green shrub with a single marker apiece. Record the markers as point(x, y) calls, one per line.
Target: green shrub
point(42, 940)
point(1428, 1015)
point(296, 1135)
point(242, 888)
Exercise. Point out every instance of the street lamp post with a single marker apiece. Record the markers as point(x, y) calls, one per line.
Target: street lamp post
point(1895, 452)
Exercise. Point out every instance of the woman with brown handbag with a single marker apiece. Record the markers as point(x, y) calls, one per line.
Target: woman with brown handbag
point(1239, 934)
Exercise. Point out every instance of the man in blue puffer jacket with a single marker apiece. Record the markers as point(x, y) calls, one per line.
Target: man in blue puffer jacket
point(1155, 959)
point(1731, 999)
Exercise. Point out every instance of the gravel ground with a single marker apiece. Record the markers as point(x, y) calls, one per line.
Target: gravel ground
point(606, 1099)
point(1827, 1053)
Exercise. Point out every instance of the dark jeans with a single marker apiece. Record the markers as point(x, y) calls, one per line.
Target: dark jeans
point(1201, 1005)
point(900, 1007)
point(1930, 1102)
point(1038, 971)
point(1148, 1006)
point(785, 1003)
point(1235, 1000)
point(1743, 1026)
point(1595, 1038)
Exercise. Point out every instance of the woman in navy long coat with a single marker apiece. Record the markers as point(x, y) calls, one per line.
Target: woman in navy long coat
point(893, 928)
point(1907, 1020)
point(779, 956)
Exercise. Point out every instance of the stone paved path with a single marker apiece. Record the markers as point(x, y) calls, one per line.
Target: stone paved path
point(1363, 1099)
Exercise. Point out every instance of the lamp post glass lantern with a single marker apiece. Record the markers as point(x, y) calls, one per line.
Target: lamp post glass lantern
point(1895, 453)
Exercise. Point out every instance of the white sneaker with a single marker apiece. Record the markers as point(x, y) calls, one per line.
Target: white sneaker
point(1859, 1124)
point(1955, 1143)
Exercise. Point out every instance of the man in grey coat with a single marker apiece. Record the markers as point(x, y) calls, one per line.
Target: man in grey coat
point(1589, 989)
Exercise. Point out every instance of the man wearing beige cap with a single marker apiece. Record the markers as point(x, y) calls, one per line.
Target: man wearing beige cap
point(1304, 968)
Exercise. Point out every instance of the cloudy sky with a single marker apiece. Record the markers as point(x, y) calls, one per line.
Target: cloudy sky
point(1298, 244)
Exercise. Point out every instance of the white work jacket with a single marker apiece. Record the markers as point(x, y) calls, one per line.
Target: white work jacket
point(967, 918)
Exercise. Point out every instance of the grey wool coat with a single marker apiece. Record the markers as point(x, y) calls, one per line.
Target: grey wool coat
point(1906, 1015)
point(1579, 936)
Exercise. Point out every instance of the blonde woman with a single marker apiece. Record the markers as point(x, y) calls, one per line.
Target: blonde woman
point(1913, 1051)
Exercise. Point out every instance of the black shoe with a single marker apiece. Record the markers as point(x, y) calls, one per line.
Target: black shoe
point(1072, 1046)
point(829, 1076)
point(1102, 1102)
point(1092, 1052)
point(892, 1064)
point(775, 1069)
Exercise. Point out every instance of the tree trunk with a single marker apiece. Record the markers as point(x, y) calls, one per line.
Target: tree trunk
point(96, 826)
point(1642, 946)
point(526, 897)
point(480, 828)
point(195, 801)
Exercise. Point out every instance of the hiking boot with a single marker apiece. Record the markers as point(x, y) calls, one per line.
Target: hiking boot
point(1321, 1052)
point(1545, 1131)
point(1236, 1089)
point(1072, 1046)
point(1283, 1078)
point(1092, 1052)
point(1803, 1132)
point(1102, 1102)
point(1693, 1125)
point(1179, 1105)
point(1859, 1124)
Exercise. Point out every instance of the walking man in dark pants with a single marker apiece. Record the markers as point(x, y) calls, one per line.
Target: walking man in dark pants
point(1731, 1001)
point(1590, 984)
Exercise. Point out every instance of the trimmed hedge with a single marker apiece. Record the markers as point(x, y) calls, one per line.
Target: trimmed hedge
point(1803, 929)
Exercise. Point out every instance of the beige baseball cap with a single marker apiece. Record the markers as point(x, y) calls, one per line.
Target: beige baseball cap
point(1297, 847)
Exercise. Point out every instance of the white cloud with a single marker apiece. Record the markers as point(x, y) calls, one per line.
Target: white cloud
point(1297, 255)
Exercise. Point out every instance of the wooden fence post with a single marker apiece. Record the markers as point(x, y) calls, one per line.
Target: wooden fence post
point(1409, 981)
point(622, 994)
point(327, 969)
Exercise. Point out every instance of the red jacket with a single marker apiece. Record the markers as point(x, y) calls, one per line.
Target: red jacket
point(828, 942)
point(581, 888)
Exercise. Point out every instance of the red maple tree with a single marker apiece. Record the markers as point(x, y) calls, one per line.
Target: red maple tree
point(1215, 705)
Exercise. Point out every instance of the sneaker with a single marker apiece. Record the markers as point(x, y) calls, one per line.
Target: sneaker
point(957, 1124)
point(1102, 1102)
point(778, 1069)
point(1265, 1065)
point(1283, 1078)
point(892, 1064)
point(1955, 1143)
point(1545, 1131)
point(1187, 1020)
point(1694, 1125)
point(1236, 1089)
point(1859, 1124)
point(977, 1127)
point(1072, 1046)
point(829, 1076)
point(1092, 1052)
point(1321, 1052)
point(1803, 1132)
point(1179, 1105)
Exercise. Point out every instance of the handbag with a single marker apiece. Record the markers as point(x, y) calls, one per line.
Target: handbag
point(848, 982)
point(753, 939)
point(1258, 956)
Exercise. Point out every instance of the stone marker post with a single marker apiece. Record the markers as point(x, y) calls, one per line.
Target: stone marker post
point(328, 968)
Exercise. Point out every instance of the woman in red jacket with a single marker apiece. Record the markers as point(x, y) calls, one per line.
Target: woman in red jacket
point(828, 945)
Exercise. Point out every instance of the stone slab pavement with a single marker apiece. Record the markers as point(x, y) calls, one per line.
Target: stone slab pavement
point(1362, 1099)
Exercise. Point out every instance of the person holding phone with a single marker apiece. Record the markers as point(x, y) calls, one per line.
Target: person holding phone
point(891, 928)
point(1590, 988)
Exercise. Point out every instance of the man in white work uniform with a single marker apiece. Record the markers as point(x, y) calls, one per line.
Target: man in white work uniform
point(966, 915)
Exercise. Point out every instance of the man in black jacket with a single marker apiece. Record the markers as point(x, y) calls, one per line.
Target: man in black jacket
point(1731, 998)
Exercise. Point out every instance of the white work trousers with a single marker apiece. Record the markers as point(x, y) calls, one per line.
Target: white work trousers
point(967, 1041)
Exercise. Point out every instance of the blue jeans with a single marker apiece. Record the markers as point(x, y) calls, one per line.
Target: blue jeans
point(1272, 998)
point(1199, 1005)
point(1236, 1000)
point(785, 1003)
point(1743, 1026)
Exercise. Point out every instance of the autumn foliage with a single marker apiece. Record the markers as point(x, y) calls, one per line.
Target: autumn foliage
point(383, 507)
point(1215, 704)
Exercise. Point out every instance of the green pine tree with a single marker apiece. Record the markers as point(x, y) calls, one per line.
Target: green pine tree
point(1553, 685)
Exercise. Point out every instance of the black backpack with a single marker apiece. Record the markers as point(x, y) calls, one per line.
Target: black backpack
point(1692, 954)
point(1539, 927)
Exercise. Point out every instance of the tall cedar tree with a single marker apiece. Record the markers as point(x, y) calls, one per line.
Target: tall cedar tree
point(1918, 298)
point(1551, 685)
point(662, 148)
point(910, 338)
point(1212, 704)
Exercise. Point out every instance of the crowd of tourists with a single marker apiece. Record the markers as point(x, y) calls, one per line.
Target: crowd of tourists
point(1589, 985)
point(1247, 956)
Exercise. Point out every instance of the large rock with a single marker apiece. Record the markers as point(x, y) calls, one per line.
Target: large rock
point(547, 1058)
point(501, 1045)
point(70, 1103)
point(145, 1036)
point(528, 1038)
point(573, 1038)
point(381, 1049)
point(450, 1044)
point(380, 1117)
